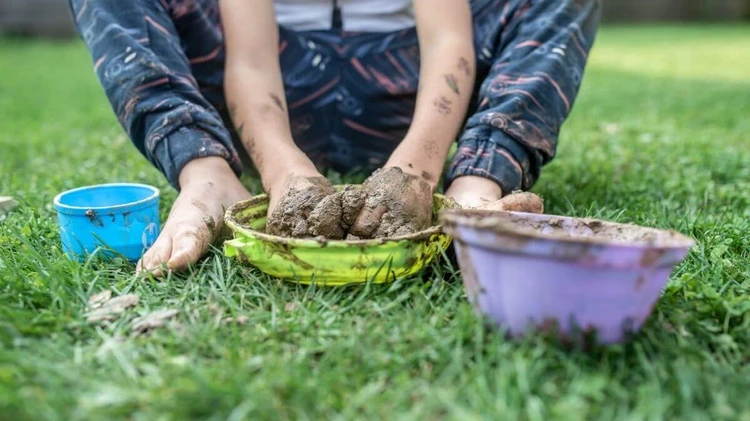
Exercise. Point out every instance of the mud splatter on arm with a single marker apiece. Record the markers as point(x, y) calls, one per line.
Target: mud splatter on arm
point(465, 67)
point(450, 80)
point(443, 105)
point(254, 86)
point(445, 85)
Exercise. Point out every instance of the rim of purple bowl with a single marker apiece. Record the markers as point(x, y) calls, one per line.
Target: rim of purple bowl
point(500, 223)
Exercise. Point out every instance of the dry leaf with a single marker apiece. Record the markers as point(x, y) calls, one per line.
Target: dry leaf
point(153, 320)
point(240, 320)
point(611, 128)
point(112, 309)
point(98, 300)
point(290, 306)
point(7, 204)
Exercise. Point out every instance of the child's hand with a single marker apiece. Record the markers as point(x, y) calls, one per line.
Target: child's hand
point(208, 186)
point(473, 192)
point(294, 201)
point(397, 204)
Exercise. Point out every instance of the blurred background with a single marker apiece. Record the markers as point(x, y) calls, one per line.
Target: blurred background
point(50, 18)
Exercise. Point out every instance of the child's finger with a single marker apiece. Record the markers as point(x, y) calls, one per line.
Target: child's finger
point(187, 247)
point(156, 256)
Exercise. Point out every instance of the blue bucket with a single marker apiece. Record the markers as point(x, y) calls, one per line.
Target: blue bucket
point(122, 218)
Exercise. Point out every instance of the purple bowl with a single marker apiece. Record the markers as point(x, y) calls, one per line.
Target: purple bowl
point(540, 272)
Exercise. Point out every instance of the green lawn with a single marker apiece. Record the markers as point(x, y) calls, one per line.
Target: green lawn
point(660, 136)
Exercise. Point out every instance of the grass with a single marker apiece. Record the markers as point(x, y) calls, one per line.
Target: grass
point(660, 136)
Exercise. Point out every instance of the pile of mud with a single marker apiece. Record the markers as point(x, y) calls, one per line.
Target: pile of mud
point(390, 203)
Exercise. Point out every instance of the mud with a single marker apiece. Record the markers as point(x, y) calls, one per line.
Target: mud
point(200, 205)
point(94, 218)
point(334, 216)
point(210, 225)
point(352, 201)
point(325, 219)
point(589, 229)
point(579, 229)
point(390, 203)
point(396, 204)
point(290, 218)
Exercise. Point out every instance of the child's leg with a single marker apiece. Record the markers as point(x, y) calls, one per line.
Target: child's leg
point(531, 57)
point(151, 57)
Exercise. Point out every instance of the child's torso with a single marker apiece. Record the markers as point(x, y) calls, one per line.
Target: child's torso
point(357, 15)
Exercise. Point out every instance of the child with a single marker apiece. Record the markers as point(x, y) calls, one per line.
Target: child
point(341, 84)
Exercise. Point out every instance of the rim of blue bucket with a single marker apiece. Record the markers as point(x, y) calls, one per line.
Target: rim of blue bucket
point(124, 207)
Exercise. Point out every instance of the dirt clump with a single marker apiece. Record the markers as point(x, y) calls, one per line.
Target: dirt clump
point(290, 217)
point(325, 219)
point(352, 201)
point(390, 203)
point(313, 208)
point(397, 203)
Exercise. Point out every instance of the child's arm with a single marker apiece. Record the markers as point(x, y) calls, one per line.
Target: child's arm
point(446, 82)
point(535, 62)
point(255, 92)
point(445, 86)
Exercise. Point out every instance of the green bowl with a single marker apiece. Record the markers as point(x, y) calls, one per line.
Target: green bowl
point(326, 262)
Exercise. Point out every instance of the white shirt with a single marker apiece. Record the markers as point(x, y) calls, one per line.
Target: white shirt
point(357, 15)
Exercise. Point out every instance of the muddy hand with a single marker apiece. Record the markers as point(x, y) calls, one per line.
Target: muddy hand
point(292, 205)
point(208, 186)
point(517, 202)
point(472, 191)
point(396, 204)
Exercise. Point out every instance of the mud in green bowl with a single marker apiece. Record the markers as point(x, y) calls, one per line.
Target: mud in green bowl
point(323, 262)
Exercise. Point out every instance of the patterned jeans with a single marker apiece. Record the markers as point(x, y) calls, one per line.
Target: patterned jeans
point(351, 96)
